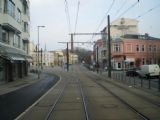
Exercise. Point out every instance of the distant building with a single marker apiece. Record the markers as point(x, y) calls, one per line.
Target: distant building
point(128, 47)
point(46, 58)
point(122, 26)
point(135, 50)
point(14, 39)
point(118, 28)
point(58, 58)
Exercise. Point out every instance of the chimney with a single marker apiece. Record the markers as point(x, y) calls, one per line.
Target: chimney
point(146, 35)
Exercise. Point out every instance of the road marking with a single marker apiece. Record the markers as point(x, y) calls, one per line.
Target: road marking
point(38, 100)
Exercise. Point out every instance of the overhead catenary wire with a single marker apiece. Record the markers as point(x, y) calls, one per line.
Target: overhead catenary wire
point(104, 17)
point(67, 15)
point(133, 5)
point(77, 16)
point(148, 11)
point(76, 21)
point(121, 7)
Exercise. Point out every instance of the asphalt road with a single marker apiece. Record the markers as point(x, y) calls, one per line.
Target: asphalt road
point(14, 103)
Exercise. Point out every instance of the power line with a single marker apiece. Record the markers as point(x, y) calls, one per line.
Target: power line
point(133, 5)
point(67, 15)
point(77, 16)
point(105, 15)
point(148, 11)
point(124, 3)
point(104, 18)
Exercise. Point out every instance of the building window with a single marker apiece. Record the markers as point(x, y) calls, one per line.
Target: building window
point(154, 48)
point(26, 29)
point(18, 15)
point(25, 9)
point(9, 8)
point(103, 53)
point(5, 36)
point(143, 61)
point(137, 47)
point(117, 47)
point(150, 60)
point(16, 41)
point(150, 48)
point(142, 48)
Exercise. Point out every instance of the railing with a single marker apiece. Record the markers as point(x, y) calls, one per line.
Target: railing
point(136, 81)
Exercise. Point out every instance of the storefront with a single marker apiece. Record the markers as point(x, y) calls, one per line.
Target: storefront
point(2, 70)
point(14, 64)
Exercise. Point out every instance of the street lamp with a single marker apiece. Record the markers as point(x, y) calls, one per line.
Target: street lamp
point(38, 27)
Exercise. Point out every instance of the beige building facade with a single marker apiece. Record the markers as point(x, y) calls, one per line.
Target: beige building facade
point(123, 26)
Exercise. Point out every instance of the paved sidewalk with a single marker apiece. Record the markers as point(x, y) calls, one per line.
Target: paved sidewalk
point(17, 84)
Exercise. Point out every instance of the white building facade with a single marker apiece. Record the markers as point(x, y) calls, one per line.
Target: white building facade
point(14, 39)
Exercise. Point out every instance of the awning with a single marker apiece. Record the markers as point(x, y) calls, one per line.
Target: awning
point(17, 58)
point(14, 54)
point(14, 57)
point(29, 59)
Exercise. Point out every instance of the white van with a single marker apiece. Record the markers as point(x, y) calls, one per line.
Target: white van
point(152, 70)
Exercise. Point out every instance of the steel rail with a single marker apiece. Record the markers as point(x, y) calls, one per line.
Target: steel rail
point(124, 102)
point(141, 96)
point(55, 103)
point(84, 100)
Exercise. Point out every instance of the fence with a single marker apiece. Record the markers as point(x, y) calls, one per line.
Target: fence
point(149, 83)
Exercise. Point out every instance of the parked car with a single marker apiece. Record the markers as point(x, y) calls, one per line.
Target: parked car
point(132, 72)
point(147, 71)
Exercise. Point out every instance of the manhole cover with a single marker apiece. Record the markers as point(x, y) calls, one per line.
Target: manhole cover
point(91, 86)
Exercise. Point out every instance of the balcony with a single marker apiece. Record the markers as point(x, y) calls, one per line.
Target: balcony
point(10, 24)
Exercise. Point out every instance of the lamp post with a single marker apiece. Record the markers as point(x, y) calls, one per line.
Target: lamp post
point(38, 27)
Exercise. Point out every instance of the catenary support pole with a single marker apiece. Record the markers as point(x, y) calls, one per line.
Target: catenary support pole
point(109, 49)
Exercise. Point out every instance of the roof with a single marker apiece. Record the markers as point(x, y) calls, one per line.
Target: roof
point(135, 36)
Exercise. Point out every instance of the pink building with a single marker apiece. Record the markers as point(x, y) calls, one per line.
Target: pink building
point(135, 50)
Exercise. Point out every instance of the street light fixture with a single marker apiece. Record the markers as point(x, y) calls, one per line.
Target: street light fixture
point(38, 27)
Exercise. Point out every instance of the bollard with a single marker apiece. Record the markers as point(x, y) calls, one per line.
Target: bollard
point(134, 81)
point(141, 82)
point(159, 84)
point(149, 81)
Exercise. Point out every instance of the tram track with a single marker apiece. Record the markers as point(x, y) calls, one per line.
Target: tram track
point(56, 102)
point(61, 94)
point(132, 92)
point(130, 106)
point(124, 102)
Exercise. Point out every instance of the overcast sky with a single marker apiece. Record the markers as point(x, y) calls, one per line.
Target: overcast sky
point(51, 13)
